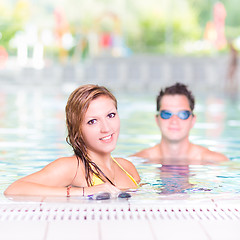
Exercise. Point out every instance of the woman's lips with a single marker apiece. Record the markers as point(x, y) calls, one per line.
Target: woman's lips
point(107, 138)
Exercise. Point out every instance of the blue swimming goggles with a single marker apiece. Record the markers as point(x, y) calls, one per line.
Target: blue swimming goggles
point(184, 114)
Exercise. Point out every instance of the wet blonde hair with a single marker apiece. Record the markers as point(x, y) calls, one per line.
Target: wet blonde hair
point(76, 108)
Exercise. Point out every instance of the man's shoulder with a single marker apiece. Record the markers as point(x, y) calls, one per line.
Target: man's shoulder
point(208, 155)
point(148, 152)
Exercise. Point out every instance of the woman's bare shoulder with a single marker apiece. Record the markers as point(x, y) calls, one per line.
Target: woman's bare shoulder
point(64, 166)
point(63, 162)
point(129, 167)
point(123, 162)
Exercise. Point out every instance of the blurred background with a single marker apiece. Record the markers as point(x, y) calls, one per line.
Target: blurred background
point(133, 47)
point(123, 44)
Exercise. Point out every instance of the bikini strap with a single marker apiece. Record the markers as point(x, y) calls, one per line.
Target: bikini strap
point(129, 175)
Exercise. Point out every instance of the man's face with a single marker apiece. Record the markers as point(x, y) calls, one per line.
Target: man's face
point(175, 129)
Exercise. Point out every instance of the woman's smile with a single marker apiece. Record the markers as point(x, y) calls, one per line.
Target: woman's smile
point(107, 138)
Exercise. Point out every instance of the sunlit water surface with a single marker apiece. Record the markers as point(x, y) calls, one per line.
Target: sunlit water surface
point(32, 134)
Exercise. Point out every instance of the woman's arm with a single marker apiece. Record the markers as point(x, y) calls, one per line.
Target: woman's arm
point(51, 180)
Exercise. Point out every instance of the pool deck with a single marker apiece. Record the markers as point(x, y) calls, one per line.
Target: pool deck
point(210, 217)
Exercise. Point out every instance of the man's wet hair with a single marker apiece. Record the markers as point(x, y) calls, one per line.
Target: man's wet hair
point(176, 89)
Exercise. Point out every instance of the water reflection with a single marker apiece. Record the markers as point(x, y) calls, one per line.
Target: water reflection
point(174, 178)
point(170, 176)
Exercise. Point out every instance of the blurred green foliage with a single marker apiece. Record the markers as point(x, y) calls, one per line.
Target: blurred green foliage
point(12, 20)
point(153, 26)
point(165, 29)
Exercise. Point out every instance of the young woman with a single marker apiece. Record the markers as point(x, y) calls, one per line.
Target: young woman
point(93, 127)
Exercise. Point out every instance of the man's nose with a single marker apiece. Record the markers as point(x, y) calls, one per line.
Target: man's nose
point(174, 118)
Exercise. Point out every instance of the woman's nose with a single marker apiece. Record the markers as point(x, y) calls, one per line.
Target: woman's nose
point(105, 126)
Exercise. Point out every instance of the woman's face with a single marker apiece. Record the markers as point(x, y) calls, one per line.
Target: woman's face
point(101, 126)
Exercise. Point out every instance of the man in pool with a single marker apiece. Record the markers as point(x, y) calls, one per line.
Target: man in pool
point(175, 119)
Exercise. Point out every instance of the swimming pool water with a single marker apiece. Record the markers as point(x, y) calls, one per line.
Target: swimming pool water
point(32, 134)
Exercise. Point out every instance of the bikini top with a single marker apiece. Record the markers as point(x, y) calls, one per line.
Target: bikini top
point(96, 180)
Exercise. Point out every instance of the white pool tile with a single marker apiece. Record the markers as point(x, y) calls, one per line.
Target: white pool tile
point(20, 199)
point(106, 220)
point(226, 202)
point(172, 230)
point(222, 230)
point(73, 230)
point(22, 230)
point(127, 230)
point(169, 201)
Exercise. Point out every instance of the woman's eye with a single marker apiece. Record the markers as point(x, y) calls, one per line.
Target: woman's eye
point(111, 115)
point(91, 122)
